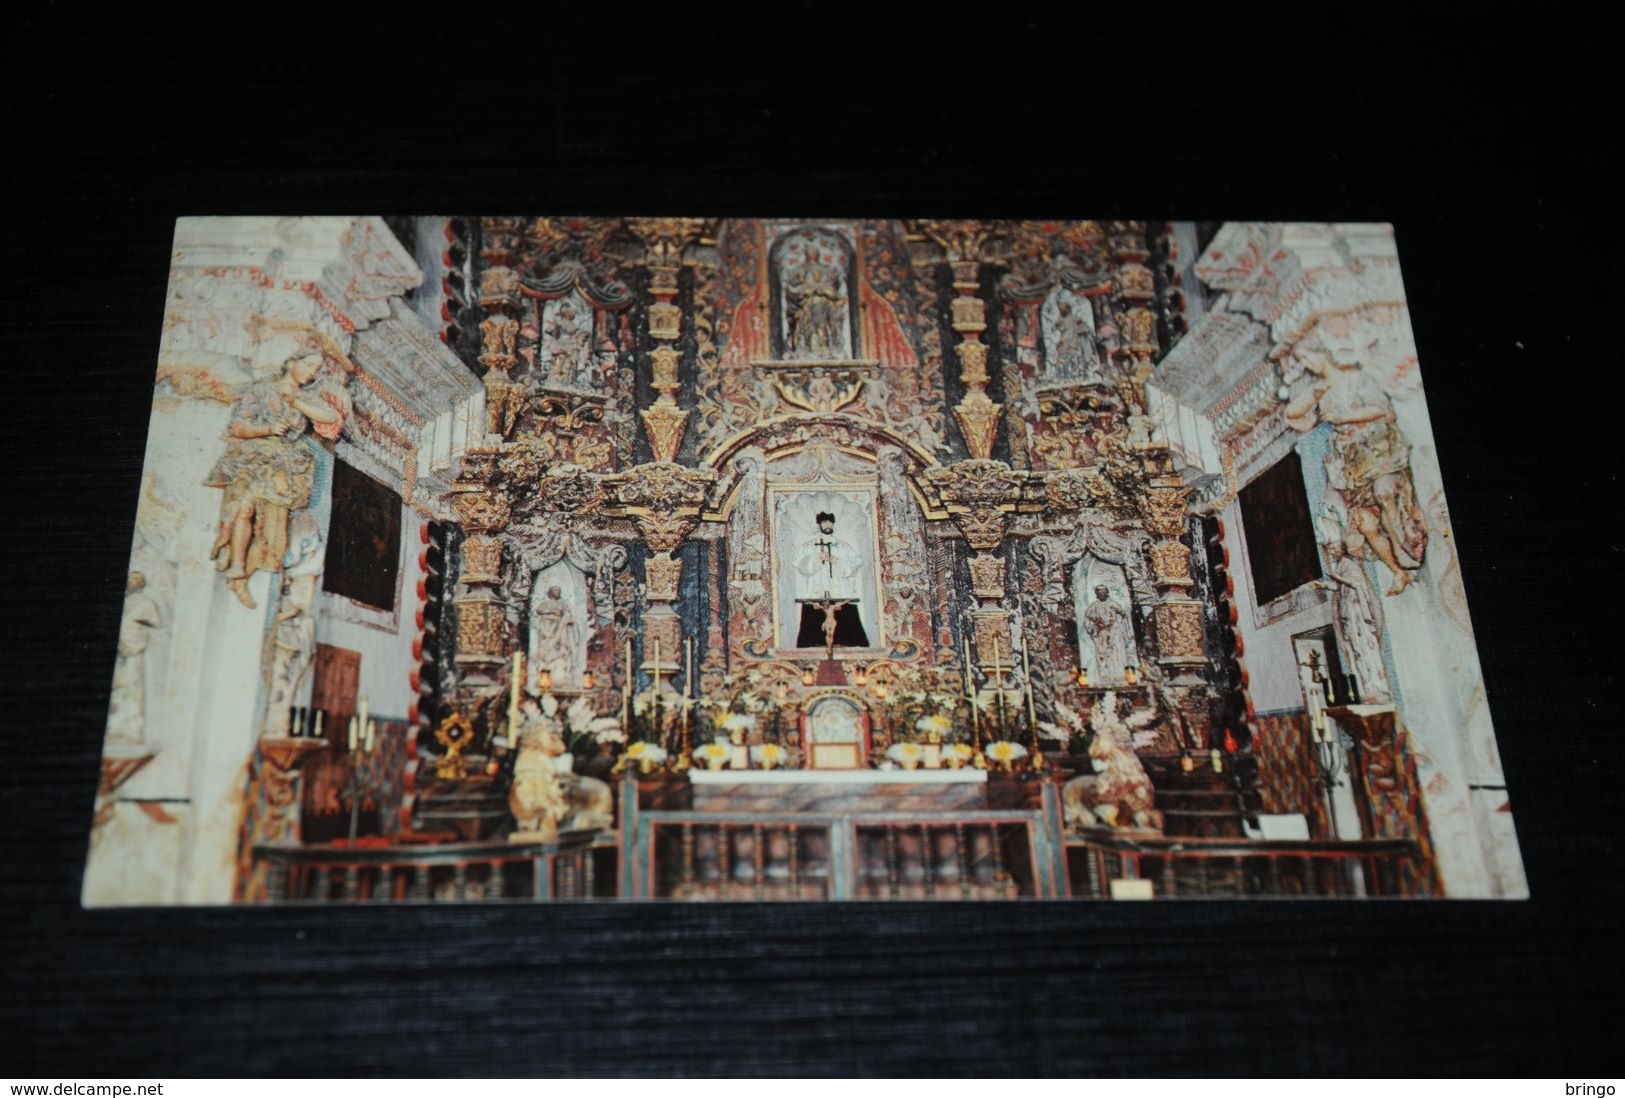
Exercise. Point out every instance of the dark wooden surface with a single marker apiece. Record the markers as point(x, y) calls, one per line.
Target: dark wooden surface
point(1487, 157)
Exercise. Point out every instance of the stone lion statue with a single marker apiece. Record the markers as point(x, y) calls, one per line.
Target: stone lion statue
point(547, 796)
point(1119, 792)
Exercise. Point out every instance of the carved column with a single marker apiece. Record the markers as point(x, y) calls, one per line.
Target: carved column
point(664, 501)
point(481, 610)
point(980, 496)
point(665, 239)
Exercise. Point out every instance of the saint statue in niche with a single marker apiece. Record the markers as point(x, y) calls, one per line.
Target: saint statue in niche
point(1105, 624)
point(126, 718)
point(267, 470)
point(831, 571)
point(556, 636)
point(1070, 351)
point(567, 340)
point(812, 276)
point(1368, 464)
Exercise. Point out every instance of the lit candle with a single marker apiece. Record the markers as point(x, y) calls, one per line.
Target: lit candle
point(353, 725)
point(372, 734)
point(1083, 678)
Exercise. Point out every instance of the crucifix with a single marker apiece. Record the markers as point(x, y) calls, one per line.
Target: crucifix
point(829, 606)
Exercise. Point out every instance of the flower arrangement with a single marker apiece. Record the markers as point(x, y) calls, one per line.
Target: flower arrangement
point(737, 724)
point(906, 755)
point(1004, 753)
point(645, 756)
point(713, 755)
point(956, 755)
point(768, 755)
point(933, 724)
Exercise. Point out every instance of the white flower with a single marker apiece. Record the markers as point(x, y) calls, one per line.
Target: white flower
point(1053, 731)
point(1005, 751)
point(936, 722)
point(607, 730)
point(711, 751)
point(734, 722)
point(767, 752)
point(956, 751)
point(904, 752)
point(641, 750)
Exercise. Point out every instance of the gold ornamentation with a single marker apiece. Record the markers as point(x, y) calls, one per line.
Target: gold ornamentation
point(499, 287)
point(666, 237)
point(972, 363)
point(455, 733)
point(817, 386)
point(978, 420)
point(664, 574)
point(482, 559)
point(969, 314)
point(568, 412)
point(664, 531)
point(662, 486)
point(987, 576)
point(497, 334)
point(1171, 562)
point(983, 527)
point(992, 633)
point(665, 321)
point(1140, 332)
point(961, 240)
point(1139, 285)
point(1164, 509)
point(664, 422)
point(663, 369)
point(481, 628)
point(662, 627)
point(479, 508)
point(1179, 630)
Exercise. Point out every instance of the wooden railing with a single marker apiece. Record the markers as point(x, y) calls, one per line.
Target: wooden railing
point(877, 856)
point(1209, 868)
point(429, 873)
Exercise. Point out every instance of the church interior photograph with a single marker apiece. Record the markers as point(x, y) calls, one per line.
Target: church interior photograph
point(487, 559)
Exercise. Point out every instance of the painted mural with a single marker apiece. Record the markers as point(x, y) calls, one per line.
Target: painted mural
point(543, 559)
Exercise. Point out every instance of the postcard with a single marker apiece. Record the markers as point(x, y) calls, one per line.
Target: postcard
point(562, 559)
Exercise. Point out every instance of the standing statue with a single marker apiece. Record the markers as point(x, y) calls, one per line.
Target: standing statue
point(1368, 464)
point(817, 312)
point(504, 397)
point(1107, 622)
point(568, 332)
point(293, 639)
point(829, 569)
point(267, 469)
point(127, 713)
point(1070, 352)
point(1356, 610)
point(557, 635)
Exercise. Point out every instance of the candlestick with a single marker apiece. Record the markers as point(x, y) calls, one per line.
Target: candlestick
point(1027, 670)
point(688, 685)
point(970, 696)
point(998, 677)
point(626, 692)
point(514, 679)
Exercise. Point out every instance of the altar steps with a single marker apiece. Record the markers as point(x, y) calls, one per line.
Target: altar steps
point(1201, 803)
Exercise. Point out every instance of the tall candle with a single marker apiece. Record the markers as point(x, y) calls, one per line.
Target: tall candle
point(513, 692)
point(352, 733)
point(970, 696)
point(626, 691)
point(372, 734)
point(1027, 670)
point(318, 732)
point(363, 711)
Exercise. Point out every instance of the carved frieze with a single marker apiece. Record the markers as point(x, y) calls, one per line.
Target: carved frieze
point(1171, 563)
point(482, 559)
point(481, 629)
point(980, 495)
point(987, 576)
point(1179, 631)
point(664, 572)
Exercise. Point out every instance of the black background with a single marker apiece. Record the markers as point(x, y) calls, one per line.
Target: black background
point(1488, 156)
